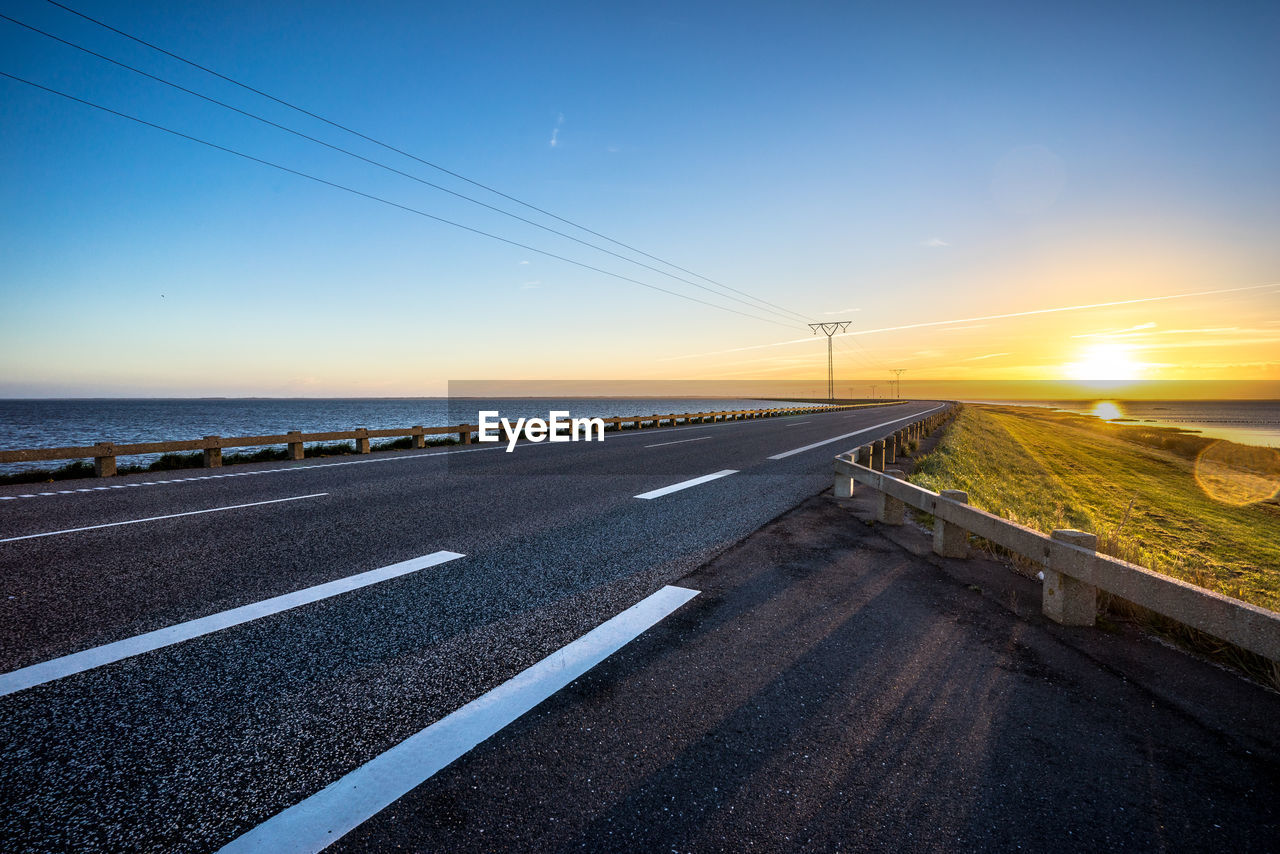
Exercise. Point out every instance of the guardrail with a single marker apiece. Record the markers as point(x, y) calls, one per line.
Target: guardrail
point(1074, 571)
point(104, 454)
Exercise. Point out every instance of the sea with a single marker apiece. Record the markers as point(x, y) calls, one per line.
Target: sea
point(50, 423)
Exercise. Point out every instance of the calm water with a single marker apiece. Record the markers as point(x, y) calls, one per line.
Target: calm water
point(61, 423)
point(1250, 422)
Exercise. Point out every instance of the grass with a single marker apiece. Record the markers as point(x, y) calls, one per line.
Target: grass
point(1172, 501)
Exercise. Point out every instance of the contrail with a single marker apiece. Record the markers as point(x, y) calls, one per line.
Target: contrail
point(983, 317)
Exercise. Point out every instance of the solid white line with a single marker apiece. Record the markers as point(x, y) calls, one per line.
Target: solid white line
point(786, 454)
point(797, 423)
point(158, 518)
point(685, 484)
point(678, 442)
point(325, 817)
point(47, 671)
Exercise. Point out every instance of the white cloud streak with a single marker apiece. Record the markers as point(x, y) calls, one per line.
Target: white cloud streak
point(1012, 314)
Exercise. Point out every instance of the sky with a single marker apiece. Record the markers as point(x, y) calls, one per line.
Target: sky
point(988, 193)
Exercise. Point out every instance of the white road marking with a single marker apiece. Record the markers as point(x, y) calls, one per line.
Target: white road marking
point(786, 454)
point(677, 442)
point(685, 484)
point(328, 815)
point(158, 518)
point(48, 671)
point(797, 423)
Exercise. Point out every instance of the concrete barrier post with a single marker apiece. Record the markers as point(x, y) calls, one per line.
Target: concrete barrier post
point(843, 487)
point(877, 455)
point(296, 451)
point(950, 540)
point(362, 440)
point(890, 510)
point(891, 449)
point(104, 459)
point(213, 452)
point(419, 436)
point(1067, 599)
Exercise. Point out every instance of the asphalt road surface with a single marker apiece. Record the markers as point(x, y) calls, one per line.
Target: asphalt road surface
point(301, 662)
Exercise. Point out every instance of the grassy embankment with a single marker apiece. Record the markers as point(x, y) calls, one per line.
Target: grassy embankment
point(1175, 502)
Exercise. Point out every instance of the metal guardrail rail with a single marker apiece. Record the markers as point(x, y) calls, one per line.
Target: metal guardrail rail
point(1074, 571)
point(104, 454)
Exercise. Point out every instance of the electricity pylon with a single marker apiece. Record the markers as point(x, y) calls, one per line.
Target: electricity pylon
point(897, 380)
point(830, 329)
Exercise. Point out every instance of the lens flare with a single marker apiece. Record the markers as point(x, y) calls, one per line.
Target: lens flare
point(1238, 474)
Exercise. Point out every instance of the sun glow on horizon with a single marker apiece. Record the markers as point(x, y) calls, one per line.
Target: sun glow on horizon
point(1107, 410)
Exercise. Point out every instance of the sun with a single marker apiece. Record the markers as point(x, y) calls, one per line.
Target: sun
point(1104, 363)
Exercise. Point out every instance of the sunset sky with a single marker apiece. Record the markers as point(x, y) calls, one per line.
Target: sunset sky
point(941, 175)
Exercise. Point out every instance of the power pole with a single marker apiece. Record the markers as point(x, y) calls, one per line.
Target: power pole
point(873, 391)
point(897, 380)
point(830, 329)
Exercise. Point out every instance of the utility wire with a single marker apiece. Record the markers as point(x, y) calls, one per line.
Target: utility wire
point(424, 162)
point(859, 358)
point(381, 165)
point(865, 352)
point(412, 210)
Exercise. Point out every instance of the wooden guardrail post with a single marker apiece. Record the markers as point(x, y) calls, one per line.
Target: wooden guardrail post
point(213, 452)
point(1067, 599)
point(104, 459)
point(419, 436)
point(464, 435)
point(950, 540)
point(296, 450)
point(362, 440)
point(890, 510)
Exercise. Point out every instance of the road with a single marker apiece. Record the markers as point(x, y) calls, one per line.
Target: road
point(121, 732)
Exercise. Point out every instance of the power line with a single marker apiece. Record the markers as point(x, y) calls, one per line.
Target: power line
point(424, 162)
point(382, 200)
point(381, 165)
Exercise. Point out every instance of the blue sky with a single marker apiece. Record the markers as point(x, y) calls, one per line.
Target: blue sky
point(913, 162)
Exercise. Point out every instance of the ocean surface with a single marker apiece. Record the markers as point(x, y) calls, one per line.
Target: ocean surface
point(78, 422)
point(1249, 422)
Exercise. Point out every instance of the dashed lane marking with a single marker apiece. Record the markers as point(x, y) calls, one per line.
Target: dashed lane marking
point(57, 668)
point(685, 484)
point(328, 815)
